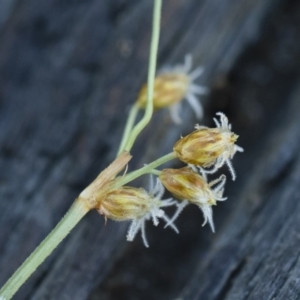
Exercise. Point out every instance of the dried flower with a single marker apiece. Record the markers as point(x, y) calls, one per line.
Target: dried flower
point(209, 147)
point(92, 195)
point(189, 186)
point(172, 85)
point(130, 203)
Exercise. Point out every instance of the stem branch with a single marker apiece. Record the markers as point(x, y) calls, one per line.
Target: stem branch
point(129, 124)
point(151, 76)
point(80, 208)
point(146, 169)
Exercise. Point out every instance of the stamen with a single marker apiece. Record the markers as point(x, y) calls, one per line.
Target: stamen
point(174, 110)
point(196, 106)
point(217, 122)
point(144, 235)
point(180, 208)
point(213, 170)
point(238, 148)
point(170, 223)
point(188, 61)
point(159, 189)
point(231, 169)
point(207, 213)
point(203, 173)
point(154, 218)
point(196, 73)
point(133, 229)
point(150, 183)
point(168, 202)
point(224, 120)
point(221, 180)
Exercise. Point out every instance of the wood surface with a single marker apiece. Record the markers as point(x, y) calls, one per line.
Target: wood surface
point(69, 71)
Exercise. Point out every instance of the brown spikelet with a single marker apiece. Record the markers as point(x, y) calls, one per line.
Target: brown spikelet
point(125, 203)
point(185, 184)
point(169, 89)
point(203, 146)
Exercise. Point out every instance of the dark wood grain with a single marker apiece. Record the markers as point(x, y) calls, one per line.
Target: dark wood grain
point(69, 71)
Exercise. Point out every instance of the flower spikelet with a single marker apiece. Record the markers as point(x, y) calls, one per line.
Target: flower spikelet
point(189, 186)
point(171, 86)
point(125, 203)
point(209, 147)
point(137, 205)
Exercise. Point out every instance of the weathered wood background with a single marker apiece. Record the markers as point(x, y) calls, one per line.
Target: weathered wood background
point(69, 71)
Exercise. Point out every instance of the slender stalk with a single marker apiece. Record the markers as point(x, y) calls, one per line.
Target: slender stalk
point(151, 76)
point(79, 208)
point(129, 124)
point(155, 172)
point(72, 217)
point(146, 169)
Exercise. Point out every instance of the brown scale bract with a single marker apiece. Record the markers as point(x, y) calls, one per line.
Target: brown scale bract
point(93, 194)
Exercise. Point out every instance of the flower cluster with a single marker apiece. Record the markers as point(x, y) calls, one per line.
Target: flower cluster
point(172, 85)
point(207, 149)
point(204, 151)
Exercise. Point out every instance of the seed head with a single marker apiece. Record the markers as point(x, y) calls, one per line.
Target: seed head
point(130, 203)
point(187, 185)
point(125, 203)
point(209, 147)
point(171, 86)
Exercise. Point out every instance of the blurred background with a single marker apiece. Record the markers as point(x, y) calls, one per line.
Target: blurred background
point(69, 71)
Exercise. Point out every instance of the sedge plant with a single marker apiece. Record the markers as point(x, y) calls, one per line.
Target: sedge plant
point(204, 151)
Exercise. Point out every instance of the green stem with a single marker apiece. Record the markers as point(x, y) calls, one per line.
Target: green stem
point(155, 172)
point(129, 124)
point(79, 209)
point(151, 76)
point(72, 217)
point(146, 169)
